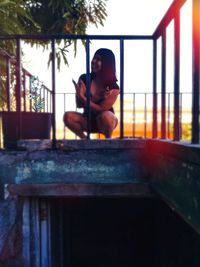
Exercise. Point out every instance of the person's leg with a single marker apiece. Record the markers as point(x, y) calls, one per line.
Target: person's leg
point(106, 123)
point(76, 122)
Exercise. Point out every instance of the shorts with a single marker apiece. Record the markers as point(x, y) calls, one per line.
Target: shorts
point(93, 123)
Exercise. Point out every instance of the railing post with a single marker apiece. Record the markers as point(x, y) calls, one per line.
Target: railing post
point(168, 115)
point(18, 71)
point(145, 115)
point(121, 88)
point(30, 100)
point(177, 76)
point(53, 93)
point(196, 70)
point(24, 87)
point(133, 115)
point(163, 87)
point(8, 82)
point(88, 86)
point(154, 126)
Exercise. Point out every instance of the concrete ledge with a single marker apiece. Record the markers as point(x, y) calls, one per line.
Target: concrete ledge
point(183, 151)
point(173, 170)
point(74, 166)
point(80, 190)
point(126, 143)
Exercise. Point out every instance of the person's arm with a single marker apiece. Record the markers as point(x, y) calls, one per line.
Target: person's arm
point(80, 90)
point(106, 104)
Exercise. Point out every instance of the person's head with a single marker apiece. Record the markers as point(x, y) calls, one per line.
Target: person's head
point(103, 63)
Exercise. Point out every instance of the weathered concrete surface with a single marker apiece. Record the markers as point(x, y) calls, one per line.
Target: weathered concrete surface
point(76, 162)
point(10, 233)
point(118, 165)
point(100, 190)
point(173, 170)
point(125, 143)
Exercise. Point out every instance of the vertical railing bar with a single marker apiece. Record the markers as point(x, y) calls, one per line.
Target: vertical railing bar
point(51, 102)
point(44, 97)
point(145, 115)
point(75, 136)
point(0, 130)
point(196, 70)
point(176, 76)
point(64, 112)
point(53, 93)
point(181, 114)
point(163, 89)
point(155, 129)
point(121, 88)
point(18, 87)
point(47, 101)
point(30, 91)
point(88, 87)
point(46, 104)
point(8, 83)
point(168, 116)
point(24, 91)
point(40, 96)
point(133, 128)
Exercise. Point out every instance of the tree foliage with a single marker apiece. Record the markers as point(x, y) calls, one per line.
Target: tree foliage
point(45, 17)
point(14, 18)
point(50, 17)
point(67, 16)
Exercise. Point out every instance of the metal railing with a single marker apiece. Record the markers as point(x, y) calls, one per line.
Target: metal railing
point(138, 119)
point(164, 124)
point(35, 96)
point(173, 14)
point(52, 39)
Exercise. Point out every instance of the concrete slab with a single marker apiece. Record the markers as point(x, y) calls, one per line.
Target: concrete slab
point(126, 143)
point(80, 190)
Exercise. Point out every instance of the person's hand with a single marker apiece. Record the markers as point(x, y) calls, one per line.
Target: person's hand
point(80, 89)
point(107, 93)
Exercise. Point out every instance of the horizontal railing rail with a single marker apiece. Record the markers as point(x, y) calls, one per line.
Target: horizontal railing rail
point(49, 37)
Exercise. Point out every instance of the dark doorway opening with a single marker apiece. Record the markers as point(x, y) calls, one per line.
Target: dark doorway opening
point(126, 232)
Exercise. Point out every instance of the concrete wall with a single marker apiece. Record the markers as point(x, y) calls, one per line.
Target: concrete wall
point(75, 162)
point(171, 169)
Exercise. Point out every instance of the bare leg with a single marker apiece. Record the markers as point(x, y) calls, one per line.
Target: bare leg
point(106, 122)
point(76, 122)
